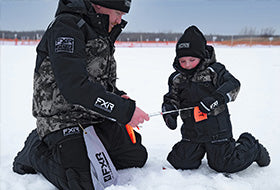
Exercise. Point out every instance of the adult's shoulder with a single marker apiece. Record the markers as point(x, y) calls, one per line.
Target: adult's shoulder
point(65, 20)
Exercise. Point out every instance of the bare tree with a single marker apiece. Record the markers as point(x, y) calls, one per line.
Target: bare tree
point(266, 32)
point(248, 31)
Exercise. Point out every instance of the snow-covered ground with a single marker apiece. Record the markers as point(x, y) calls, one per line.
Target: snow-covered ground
point(143, 74)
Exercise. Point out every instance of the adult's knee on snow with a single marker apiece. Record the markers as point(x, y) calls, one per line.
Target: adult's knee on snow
point(142, 153)
point(144, 159)
point(130, 156)
point(140, 157)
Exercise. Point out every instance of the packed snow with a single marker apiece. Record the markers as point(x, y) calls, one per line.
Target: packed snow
point(143, 74)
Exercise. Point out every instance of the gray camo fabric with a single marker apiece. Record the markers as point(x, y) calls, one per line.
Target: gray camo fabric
point(51, 109)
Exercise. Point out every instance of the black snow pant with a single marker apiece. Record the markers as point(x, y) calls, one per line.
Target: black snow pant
point(228, 156)
point(63, 159)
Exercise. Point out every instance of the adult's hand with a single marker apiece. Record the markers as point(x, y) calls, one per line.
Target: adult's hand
point(138, 117)
point(125, 96)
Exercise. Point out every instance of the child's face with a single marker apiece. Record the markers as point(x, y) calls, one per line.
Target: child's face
point(189, 62)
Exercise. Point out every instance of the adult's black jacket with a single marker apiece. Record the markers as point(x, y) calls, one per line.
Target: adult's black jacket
point(75, 74)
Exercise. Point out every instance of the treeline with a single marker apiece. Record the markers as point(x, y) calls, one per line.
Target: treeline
point(139, 37)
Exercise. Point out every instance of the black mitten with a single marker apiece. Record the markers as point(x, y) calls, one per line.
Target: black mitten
point(170, 118)
point(170, 121)
point(209, 103)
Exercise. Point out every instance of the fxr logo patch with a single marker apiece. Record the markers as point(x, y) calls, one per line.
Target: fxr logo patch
point(127, 3)
point(184, 45)
point(215, 104)
point(105, 167)
point(102, 104)
point(71, 131)
point(64, 44)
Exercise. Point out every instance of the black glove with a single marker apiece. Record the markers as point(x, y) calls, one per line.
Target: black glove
point(170, 118)
point(208, 104)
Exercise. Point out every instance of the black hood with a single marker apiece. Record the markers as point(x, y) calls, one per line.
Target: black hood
point(71, 6)
point(87, 12)
point(204, 63)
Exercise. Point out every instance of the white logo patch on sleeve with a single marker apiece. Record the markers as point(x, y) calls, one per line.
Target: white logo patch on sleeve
point(104, 105)
point(64, 44)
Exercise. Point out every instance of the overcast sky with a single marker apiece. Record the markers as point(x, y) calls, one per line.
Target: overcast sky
point(211, 16)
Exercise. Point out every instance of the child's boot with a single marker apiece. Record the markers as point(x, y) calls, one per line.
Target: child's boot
point(263, 158)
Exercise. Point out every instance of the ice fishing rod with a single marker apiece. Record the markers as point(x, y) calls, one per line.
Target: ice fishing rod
point(198, 116)
point(171, 111)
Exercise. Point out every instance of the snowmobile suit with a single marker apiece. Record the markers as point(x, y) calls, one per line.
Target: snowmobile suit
point(63, 159)
point(187, 89)
point(75, 84)
point(214, 134)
